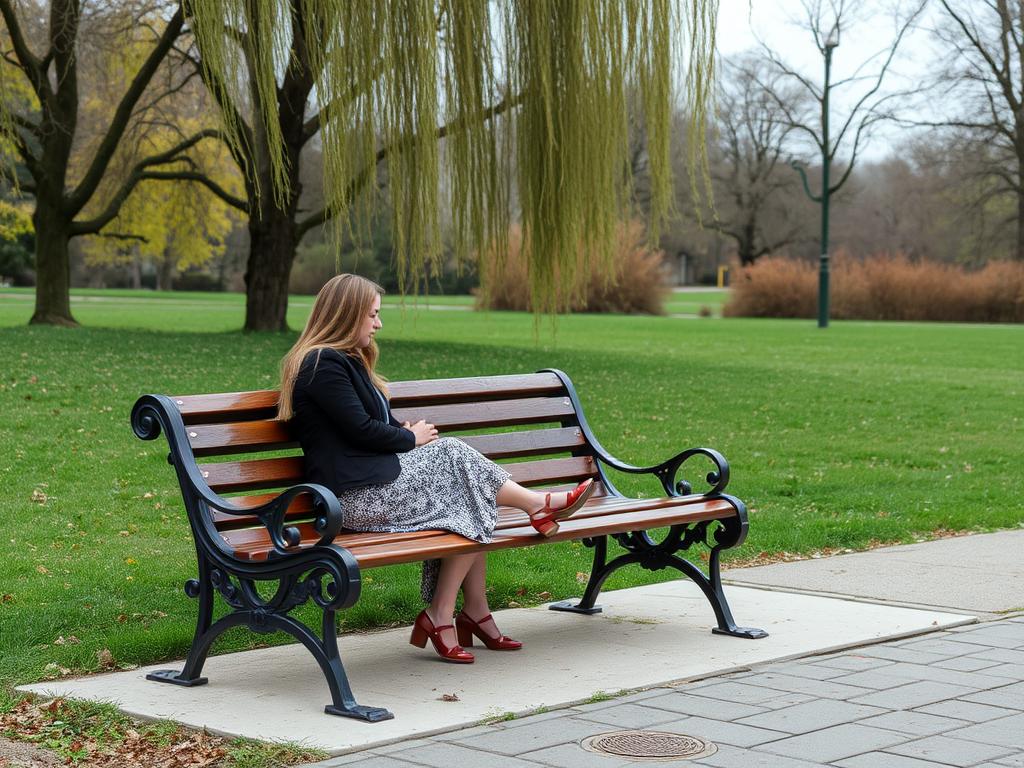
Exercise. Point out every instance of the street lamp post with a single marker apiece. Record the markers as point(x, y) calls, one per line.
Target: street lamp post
point(831, 43)
point(826, 166)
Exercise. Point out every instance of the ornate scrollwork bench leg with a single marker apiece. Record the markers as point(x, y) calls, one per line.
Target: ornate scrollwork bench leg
point(297, 585)
point(653, 556)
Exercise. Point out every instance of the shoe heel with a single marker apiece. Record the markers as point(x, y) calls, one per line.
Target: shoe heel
point(465, 635)
point(548, 529)
point(418, 637)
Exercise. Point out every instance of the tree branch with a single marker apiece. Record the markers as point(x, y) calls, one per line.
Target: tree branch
point(105, 152)
point(200, 178)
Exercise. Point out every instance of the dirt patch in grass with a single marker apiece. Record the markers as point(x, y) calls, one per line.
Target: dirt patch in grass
point(17, 754)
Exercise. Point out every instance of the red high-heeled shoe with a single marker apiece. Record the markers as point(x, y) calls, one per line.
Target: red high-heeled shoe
point(546, 520)
point(467, 627)
point(424, 628)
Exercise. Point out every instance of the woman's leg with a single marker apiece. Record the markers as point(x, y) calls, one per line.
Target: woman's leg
point(511, 494)
point(474, 588)
point(442, 607)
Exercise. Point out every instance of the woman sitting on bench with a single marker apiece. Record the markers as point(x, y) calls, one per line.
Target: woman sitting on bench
point(394, 477)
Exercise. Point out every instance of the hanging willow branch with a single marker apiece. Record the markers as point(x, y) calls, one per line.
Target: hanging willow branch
point(388, 73)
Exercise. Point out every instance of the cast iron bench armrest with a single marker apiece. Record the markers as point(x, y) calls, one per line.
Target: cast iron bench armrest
point(151, 412)
point(666, 471)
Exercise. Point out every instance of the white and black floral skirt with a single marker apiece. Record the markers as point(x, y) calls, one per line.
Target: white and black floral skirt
point(443, 485)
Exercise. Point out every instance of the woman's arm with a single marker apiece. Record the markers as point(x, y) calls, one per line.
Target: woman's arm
point(332, 389)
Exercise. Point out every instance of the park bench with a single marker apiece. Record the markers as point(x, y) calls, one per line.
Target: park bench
point(294, 539)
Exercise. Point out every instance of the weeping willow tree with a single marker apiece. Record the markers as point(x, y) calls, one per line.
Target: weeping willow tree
point(529, 97)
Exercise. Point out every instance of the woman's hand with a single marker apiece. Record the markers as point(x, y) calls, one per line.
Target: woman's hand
point(425, 433)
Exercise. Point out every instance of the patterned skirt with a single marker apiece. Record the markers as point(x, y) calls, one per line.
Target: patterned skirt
point(443, 485)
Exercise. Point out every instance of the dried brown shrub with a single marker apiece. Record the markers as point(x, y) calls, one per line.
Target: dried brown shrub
point(636, 285)
point(883, 287)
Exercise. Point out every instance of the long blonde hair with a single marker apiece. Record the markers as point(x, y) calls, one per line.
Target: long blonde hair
point(338, 312)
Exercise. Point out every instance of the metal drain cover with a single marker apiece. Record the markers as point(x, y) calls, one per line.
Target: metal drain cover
point(649, 745)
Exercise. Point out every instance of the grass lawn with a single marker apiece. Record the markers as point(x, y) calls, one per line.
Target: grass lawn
point(837, 439)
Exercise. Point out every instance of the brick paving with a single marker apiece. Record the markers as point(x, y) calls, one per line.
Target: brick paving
point(953, 698)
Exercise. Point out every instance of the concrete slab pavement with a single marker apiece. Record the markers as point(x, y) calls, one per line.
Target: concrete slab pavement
point(647, 636)
point(982, 574)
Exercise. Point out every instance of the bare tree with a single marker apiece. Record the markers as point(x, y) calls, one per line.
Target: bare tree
point(752, 191)
point(985, 42)
point(870, 102)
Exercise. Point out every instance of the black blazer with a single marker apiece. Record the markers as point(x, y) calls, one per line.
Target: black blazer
point(347, 433)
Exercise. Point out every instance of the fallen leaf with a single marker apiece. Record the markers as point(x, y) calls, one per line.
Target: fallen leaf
point(543, 595)
point(448, 697)
point(582, 577)
point(38, 496)
point(105, 658)
point(521, 591)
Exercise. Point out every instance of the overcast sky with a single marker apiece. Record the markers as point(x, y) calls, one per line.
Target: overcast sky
point(776, 22)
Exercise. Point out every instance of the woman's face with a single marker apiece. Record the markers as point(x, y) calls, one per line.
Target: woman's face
point(370, 324)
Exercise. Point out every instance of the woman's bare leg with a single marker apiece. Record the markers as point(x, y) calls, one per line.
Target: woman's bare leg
point(442, 607)
point(474, 595)
point(511, 494)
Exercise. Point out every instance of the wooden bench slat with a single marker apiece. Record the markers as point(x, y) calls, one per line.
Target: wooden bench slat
point(599, 517)
point(238, 406)
point(480, 415)
point(239, 437)
point(266, 435)
point(252, 474)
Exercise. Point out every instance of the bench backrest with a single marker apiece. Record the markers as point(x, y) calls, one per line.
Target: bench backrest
point(528, 419)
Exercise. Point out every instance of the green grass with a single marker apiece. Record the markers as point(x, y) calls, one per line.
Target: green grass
point(693, 302)
point(865, 432)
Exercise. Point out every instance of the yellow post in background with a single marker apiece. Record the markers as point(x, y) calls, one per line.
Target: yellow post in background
point(723, 275)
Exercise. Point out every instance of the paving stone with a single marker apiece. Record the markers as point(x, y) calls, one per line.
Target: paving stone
point(735, 757)
point(1011, 696)
point(914, 723)
point(941, 647)
point(879, 680)
point(971, 663)
point(852, 662)
point(701, 706)
point(448, 755)
point(465, 733)
point(1013, 761)
point(1009, 671)
point(913, 695)
point(810, 671)
point(976, 680)
point(835, 743)
point(644, 695)
point(631, 716)
point(741, 693)
point(538, 718)
point(822, 688)
point(368, 761)
point(721, 732)
point(569, 756)
point(811, 716)
point(400, 746)
point(349, 759)
point(516, 741)
point(893, 653)
point(786, 699)
point(1004, 655)
point(886, 760)
point(997, 628)
point(991, 639)
point(1006, 732)
point(950, 751)
point(966, 710)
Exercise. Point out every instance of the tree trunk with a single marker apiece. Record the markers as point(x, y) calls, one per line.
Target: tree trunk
point(1020, 225)
point(746, 245)
point(53, 266)
point(272, 243)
